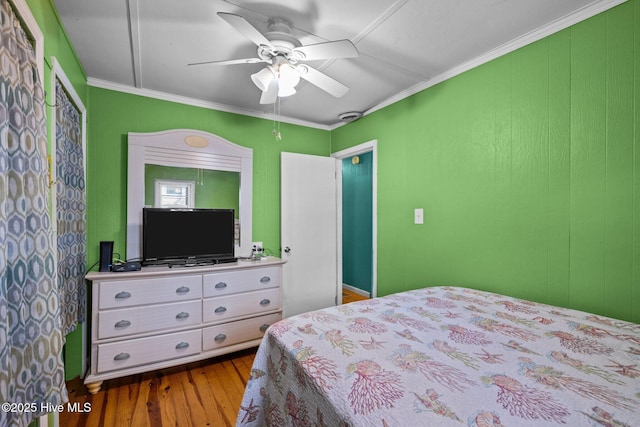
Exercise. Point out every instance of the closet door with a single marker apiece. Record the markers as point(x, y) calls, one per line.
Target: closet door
point(308, 218)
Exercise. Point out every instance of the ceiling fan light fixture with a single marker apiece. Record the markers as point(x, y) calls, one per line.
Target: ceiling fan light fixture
point(263, 78)
point(288, 78)
point(283, 51)
point(284, 91)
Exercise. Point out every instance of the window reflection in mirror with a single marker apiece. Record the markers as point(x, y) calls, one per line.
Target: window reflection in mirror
point(174, 194)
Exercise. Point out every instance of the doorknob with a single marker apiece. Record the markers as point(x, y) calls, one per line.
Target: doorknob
point(287, 250)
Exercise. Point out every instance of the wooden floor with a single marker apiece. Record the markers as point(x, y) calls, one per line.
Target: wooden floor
point(205, 393)
point(349, 296)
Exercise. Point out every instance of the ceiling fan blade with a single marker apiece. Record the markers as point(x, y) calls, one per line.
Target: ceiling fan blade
point(244, 27)
point(328, 50)
point(270, 95)
point(321, 80)
point(230, 62)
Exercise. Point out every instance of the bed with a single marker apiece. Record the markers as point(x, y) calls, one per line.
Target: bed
point(445, 356)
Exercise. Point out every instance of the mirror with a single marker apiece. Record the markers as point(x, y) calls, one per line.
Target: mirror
point(191, 169)
point(168, 186)
point(211, 188)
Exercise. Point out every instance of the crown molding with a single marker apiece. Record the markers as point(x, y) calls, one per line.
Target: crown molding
point(104, 84)
point(560, 24)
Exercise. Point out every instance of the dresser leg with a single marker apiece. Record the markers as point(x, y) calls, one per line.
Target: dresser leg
point(94, 387)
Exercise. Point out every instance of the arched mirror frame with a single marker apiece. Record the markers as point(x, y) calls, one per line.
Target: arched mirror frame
point(189, 149)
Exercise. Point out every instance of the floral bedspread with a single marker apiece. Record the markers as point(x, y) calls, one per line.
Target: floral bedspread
point(445, 356)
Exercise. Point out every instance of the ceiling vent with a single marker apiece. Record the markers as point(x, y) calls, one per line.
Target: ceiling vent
point(350, 116)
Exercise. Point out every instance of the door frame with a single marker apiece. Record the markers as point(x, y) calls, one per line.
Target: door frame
point(369, 146)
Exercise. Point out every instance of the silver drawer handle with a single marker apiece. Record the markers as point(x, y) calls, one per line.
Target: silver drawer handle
point(264, 327)
point(182, 290)
point(121, 356)
point(220, 310)
point(123, 295)
point(221, 285)
point(182, 345)
point(183, 315)
point(220, 337)
point(122, 324)
point(265, 279)
point(265, 302)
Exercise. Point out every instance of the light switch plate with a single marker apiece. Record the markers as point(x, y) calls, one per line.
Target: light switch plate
point(418, 216)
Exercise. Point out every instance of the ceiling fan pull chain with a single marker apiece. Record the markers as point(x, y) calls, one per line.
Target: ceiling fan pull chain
point(276, 129)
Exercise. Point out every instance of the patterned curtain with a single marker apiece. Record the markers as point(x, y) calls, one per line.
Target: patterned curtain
point(70, 206)
point(31, 368)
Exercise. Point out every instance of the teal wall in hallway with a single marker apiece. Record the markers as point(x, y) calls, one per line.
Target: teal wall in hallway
point(357, 222)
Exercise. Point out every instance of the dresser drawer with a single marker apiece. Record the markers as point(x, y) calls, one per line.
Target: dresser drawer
point(225, 334)
point(141, 351)
point(125, 293)
point(128, 321)
point(231, 282)
point(235, 305)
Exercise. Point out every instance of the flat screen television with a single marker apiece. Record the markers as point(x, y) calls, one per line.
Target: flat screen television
point(187, 236)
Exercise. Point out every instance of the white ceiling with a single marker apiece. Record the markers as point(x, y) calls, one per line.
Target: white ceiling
point(144, 46)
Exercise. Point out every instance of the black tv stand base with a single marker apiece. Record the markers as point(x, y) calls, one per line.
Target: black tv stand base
point(202, 262)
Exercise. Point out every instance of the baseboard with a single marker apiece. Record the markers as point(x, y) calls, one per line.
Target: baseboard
point(356, 290)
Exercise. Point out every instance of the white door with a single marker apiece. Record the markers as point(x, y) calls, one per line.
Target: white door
point(308, 232)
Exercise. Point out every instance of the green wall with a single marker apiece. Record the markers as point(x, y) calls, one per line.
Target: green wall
point(528, 170)
point(114, 114)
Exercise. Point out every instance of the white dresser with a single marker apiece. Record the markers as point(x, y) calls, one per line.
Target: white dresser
point(160, 316)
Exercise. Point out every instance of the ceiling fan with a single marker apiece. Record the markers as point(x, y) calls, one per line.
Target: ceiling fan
point(284, 53)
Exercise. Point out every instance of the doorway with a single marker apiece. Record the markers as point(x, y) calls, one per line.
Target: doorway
point(356, 234)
